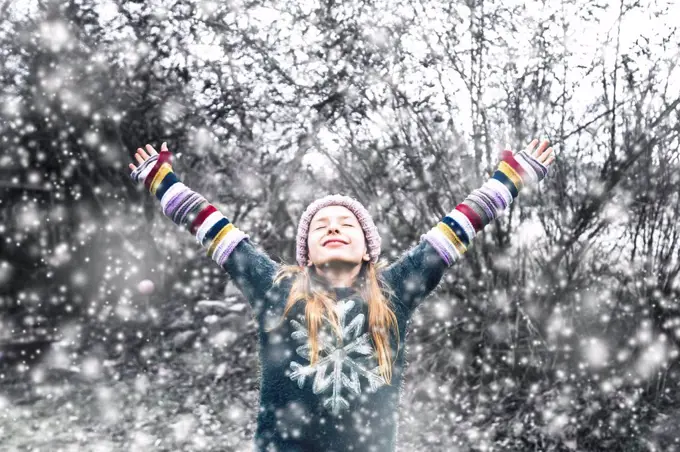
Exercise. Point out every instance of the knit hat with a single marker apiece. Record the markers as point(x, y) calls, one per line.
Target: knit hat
point(370, 230)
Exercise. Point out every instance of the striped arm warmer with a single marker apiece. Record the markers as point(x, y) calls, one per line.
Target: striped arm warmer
point(453, 234)
point(187, 208)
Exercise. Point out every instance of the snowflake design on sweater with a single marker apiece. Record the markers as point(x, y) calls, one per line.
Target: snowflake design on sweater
point(350, 353)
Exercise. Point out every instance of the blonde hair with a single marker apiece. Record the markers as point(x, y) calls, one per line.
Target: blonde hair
point(319, 303)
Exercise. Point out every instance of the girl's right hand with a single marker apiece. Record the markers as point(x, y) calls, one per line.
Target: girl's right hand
point(148, 161)
point(142, 156)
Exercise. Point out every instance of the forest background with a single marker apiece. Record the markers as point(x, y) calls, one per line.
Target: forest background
point(559, 330)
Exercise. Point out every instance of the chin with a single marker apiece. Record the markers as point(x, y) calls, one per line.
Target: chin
point(339, 260)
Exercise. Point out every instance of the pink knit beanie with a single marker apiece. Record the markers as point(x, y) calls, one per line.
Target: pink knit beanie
point(370, 230)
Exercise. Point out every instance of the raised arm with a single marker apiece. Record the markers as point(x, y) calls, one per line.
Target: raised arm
point(251, 269)
point(420, 270)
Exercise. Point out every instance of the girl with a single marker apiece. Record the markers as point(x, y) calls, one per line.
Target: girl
point(331, 328)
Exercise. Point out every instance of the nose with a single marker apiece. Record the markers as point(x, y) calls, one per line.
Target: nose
point(333, 226)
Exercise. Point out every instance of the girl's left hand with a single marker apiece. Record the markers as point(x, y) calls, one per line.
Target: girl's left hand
point(543, 153)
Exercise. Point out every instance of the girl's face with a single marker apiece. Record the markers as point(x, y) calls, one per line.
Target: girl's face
point(336, 236)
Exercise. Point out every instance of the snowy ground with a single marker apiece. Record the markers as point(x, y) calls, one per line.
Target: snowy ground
point(171, 409)
point(182, 402)
point(179, 390)
point(195, 388)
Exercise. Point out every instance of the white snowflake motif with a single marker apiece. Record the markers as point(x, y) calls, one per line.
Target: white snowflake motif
point(337, 356)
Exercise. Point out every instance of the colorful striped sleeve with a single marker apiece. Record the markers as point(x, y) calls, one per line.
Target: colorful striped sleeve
point(220, 237)
point(453, 235)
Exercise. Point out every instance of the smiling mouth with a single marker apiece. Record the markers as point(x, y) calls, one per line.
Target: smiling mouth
point(334, 242)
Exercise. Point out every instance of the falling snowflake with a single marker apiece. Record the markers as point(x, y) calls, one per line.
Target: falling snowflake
point(350, 352)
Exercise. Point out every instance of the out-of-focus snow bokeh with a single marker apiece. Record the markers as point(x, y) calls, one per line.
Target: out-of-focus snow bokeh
point(558, 331)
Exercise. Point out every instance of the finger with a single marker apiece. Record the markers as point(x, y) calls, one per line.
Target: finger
point(550, 160)
point(132, 167)
point(151, 150)
point(139, 158)
point(530, 147)
point(142, 154)
point(541, 149)
point(543, 157)
point(164, 147)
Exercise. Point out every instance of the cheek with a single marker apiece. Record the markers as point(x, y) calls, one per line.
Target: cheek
point(313, 242)
point(357, 237)
point(311, 246)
